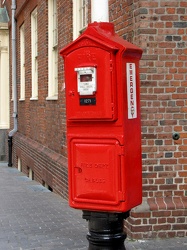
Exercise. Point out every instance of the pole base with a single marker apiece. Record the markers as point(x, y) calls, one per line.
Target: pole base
point(105, 230)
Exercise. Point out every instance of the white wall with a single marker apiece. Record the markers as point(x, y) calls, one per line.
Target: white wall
point(4, 77)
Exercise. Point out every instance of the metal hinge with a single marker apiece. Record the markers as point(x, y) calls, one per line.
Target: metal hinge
point(121, 150)
point(111, 65)
point(112, 106)
point(121, 196)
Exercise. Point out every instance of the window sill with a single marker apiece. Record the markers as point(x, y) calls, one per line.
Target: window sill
point(22, 99)
point(34, 98)
point(52, 98)
point(4, 126)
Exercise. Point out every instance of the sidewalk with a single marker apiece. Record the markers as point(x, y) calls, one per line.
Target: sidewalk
point(33, 218)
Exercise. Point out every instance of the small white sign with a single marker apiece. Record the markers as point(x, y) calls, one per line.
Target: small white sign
point(131, 91)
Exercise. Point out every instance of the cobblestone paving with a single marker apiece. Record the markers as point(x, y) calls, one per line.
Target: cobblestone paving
point(33, 218)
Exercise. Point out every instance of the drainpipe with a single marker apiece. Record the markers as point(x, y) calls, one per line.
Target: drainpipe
point(105, 230)
point(14, 84)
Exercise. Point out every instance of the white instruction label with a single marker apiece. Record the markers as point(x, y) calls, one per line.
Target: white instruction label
point(131, 91)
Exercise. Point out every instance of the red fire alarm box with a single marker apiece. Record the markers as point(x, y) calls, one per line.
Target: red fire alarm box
point(103, 120)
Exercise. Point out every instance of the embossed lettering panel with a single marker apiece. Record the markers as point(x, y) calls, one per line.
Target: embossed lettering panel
point(95, 171)
point(104, 85)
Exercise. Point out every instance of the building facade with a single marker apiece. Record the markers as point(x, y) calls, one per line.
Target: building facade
point(4, 83)
point(39, 146)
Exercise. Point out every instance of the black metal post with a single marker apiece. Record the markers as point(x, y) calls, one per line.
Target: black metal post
point(10, 151)
point(105, 230)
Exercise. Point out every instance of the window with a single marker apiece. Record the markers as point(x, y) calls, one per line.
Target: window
point(31, 174)
point(22, 63)
point(19, 164)
point(52, 50)
point(34, 49)
point(80, 17)
point(47, 186)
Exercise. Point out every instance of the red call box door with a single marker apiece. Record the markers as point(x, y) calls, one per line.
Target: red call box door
point(100, 105)
point(95, 178)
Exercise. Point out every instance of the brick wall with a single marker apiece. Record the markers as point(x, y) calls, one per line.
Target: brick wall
point(159, 28)
point(40, 143)
point(43, 121)
point(48, 166)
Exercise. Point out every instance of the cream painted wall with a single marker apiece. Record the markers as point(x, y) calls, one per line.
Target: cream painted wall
point(4, 77)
